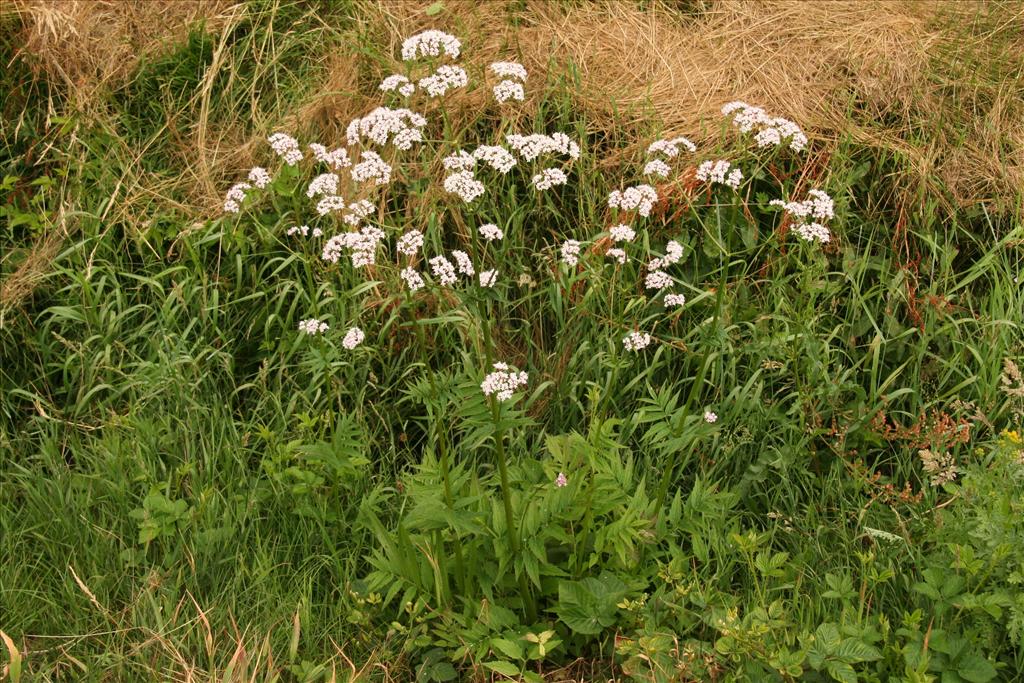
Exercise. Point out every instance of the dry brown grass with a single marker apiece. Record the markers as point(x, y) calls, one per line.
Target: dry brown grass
point(90, 45)
point(853, 68)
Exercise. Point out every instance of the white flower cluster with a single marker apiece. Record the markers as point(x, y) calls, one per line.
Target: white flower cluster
point(511, 88)
point(548, 178)
point(323, 184)
point(530, 147)
point(357, 211)
point(640, 198)
point(502, 382)
point(617, 254)
point(353, 338)
point(447, 77)
point(286, 147)
point(719, 172)
point(410, 242)
point(304, 231)
point(397, 82)
point(809, 216)
point(443, 270)
point(657, 167)
point(363, 245)
point(622, 233)
point(771, 130)
point(235, 196)
point(464, 184)
point(312, 326)
point(490, 232)
point(413, 279)
point(259, 177)
point(657, 279)
point(570, 252)
point(464, 262)
point(509, 70)
point(673, 254)
point(488, 278)
point(403, 126)
point(371, 167)
point(329, 203)
point(430, 44)
point(337, 158)
point(675, 299)
point(636, 341)
point(670, 148)
point(459, 161)
point(495, 156)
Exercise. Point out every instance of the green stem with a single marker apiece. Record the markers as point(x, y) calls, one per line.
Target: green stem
point(510, 522)
point(460, 571)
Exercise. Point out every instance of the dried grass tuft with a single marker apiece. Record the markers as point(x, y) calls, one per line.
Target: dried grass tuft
point(93, 45)
point(847, 68)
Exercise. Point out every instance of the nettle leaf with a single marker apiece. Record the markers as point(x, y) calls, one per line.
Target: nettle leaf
point(976, 669)
point(590, 606)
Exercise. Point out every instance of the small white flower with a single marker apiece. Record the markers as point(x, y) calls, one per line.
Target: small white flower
point(465, 185)
point(508, 90)
point(323, 184)
point(430, 43)
point(413, 279)
point(710, 417)
point(337, 158)
point(673, 253)
point(490, 232)
point(312, 326)
point(465, 264)
point(488, 278)
point(443, 270)
point(636, 341)
point(330, 203)
point(503, 382)
point(509, 70)
point(459, 161)
point(657, 167)
point(674, 300)
point(410, 242)
point(296, 229)
point(371, 167)
point(529, 147)
point(235, 196)
point(617, 254)
point(622, 233)
point(771, 131)
point(813, 232)
point(357, 211)
point(561, 480)
point(447, 77)
point(719, 172)
point(397, 82)
point(640, 198)
point(286, 147)
point(496, 157)
point(353, 338)
point(259, 177)
point(670, 148)
point(570, 252)
point(548, 178)
point(657, 279)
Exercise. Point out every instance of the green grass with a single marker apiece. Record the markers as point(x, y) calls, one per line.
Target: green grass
point(188, 487)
